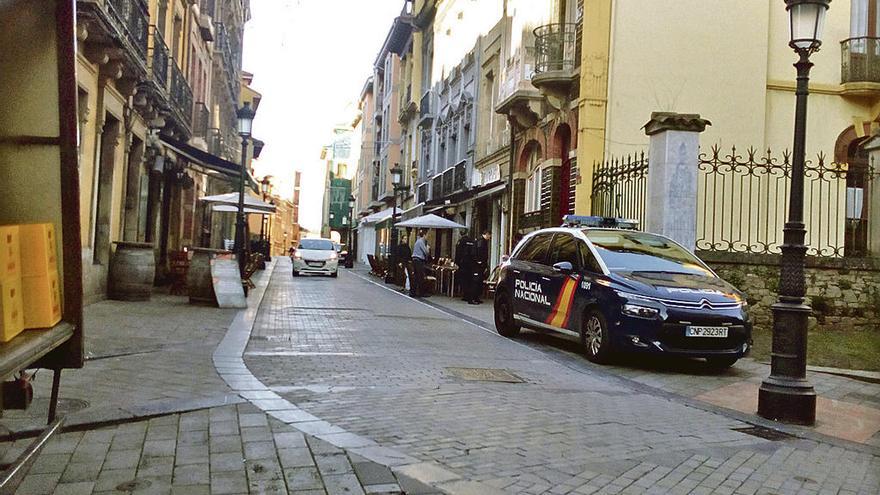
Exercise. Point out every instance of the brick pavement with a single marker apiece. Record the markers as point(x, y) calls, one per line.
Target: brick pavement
point(374, 363)
point(691, 378)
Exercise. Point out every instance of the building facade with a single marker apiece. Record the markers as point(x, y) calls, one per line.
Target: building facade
point(146, 86)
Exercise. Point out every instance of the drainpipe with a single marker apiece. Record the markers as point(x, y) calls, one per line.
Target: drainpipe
point(510, 196)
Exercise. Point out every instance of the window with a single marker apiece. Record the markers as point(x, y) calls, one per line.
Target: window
point(624, 251)
point(533, 183)
point(864, 18)
point(565, 248)
point(536, 249)
point(588, 261)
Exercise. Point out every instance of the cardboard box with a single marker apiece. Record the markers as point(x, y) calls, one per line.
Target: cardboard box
point(10, 252)
point(39, 256)
point(11, 309)
point(41, 301)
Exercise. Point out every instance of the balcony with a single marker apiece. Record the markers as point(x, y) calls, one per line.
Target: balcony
point(201, 120)
point(556, 61)
point(517, 96)
point(181, 95)
point(132, 17)
point(229, 56)
point(159, 59)
point(860, 66)
point(426, 112)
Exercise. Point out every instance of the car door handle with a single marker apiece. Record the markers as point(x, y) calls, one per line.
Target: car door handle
point(545, 278)
point(516, 271)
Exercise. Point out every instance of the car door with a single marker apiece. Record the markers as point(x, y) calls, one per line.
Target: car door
point(562, 286)
point(529, 268)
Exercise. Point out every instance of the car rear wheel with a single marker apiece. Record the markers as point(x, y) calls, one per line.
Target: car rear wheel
point(721, 363)
point(595, 341)
point(504, 322)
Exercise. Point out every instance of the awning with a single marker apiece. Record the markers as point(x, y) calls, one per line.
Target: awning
point(224, 208)
point(207, 160)
point(231, 199)
point(492, 190)
point(377, 217)
point(431, 221)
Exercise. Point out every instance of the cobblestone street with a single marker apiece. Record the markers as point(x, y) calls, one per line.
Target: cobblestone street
point(345, 386)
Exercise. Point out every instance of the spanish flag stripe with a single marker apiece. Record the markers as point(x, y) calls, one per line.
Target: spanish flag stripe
point(560, 311)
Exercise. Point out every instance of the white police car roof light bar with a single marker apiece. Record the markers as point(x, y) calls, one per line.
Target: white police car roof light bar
point(599, 222)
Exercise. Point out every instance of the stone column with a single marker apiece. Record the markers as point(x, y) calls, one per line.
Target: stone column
point(671, 208)
point(872, 195)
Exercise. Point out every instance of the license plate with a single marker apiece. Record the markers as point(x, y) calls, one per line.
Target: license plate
point(719, 332)
point(316, 263)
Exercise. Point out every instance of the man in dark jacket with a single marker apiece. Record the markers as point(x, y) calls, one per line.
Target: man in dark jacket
point(404, 254)
point(464, 255)
point(480, 267)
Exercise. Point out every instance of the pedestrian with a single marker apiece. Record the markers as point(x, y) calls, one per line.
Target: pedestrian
point(421, 254)
point(464, 254)
point(404, 256)
point(480, 268)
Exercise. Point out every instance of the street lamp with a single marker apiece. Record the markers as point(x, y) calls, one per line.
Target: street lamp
point(264, 188)
point(396, 177)
point(349, 261)
point(786, 395)
point(245, 116)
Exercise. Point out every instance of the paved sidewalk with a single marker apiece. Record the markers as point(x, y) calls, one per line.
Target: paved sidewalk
point(848, 408)
point(175, 425)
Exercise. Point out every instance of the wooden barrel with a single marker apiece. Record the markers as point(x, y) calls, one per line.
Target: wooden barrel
point(132, 271)
point(199, 281)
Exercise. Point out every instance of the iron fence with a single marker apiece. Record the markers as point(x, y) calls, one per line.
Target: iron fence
point(860, 60)
point(555, 47)
point(620, 186)
point(743, 203)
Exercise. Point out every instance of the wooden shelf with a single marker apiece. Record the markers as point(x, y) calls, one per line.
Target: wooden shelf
point(30, 345)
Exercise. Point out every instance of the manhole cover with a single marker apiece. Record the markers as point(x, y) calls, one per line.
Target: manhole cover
point(39, 408)
point(484, 375)
point(130, 486)
point(765, 433)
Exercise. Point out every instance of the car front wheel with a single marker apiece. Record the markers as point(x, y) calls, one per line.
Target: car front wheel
point(334, 274)
point(504, 322)
point(595, 341)
point(295, 273)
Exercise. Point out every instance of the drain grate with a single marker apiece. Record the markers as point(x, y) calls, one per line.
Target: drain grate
point(765, 433)
point(484, 375)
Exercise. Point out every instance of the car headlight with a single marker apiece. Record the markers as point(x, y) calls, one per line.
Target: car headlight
point(640, 311)
point(333, 255)
point(297, 254)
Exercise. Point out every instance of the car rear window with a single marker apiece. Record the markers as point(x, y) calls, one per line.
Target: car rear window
point(625, 251)
point(316, 244)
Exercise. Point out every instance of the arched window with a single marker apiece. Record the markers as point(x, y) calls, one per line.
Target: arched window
point(533, 183)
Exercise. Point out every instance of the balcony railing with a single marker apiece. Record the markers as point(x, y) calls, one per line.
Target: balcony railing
point(555, 47)
point(425, 105)
point(230, 55)
point(860, 60)
point(517, 73)
point(159, 59)
point(201, 120)
point(181, 94)
point(132, 16)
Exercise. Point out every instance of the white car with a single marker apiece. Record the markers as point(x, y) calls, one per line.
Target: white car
point(316, 256)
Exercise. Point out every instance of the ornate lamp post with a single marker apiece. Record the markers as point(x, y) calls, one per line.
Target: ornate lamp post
point(349, 261)
point(245, 116)
point(786, 395)
point(396, 177)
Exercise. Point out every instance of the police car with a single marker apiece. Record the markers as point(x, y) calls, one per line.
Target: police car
point(619, 290)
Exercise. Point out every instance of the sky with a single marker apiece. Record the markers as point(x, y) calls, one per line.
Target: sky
point(310, 59)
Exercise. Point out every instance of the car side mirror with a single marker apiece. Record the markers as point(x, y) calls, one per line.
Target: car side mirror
point(563, 267)
point(505, 258)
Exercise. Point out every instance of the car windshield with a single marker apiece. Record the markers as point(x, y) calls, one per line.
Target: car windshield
point(316, 244)
point(625, 251)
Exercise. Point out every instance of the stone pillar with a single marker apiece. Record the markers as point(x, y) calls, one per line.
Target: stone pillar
point(872, 195)
point(671, 208)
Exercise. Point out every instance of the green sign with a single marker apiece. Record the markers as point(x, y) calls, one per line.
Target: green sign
point(340, 191)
